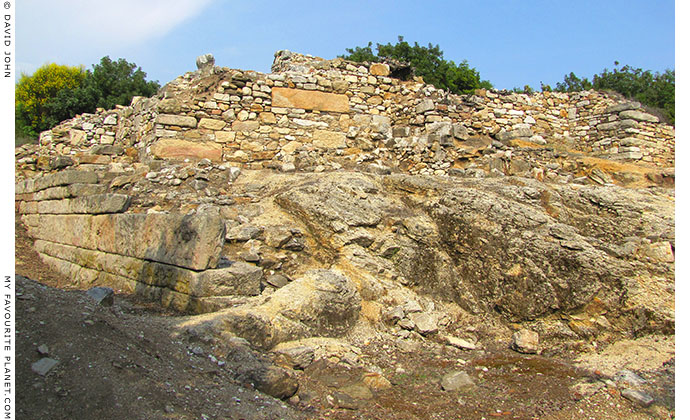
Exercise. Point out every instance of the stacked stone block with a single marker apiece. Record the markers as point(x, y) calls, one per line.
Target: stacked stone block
point(85, 233)
point(314, 114)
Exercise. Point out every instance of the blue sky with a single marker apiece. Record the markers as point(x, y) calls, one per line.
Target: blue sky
point(510, 42)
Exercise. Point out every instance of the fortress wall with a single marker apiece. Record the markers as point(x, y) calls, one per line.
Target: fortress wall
point(89, 236)
point(313, 114)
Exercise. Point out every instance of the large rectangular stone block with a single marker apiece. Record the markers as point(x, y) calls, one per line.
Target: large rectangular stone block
point(178, 120)
point(238, 279)
point(74, 190)
point(309, 99)
point(326, 139)
point(25, 186)
point(90, 204)
point(191, 241)
point(57, 179)
point(86, 277)
point(168, 148)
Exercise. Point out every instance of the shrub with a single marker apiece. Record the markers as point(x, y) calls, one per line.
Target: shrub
point(55, 93)
point(32, 94)
point(655, 90)
point(428, 62)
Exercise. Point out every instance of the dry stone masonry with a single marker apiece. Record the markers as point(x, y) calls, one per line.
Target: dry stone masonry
point(314, 115)
point(275, 198)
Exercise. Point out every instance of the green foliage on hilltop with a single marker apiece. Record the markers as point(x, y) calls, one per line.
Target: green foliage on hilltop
point(33, 94)
point(427, 62)
point(655, 90)
point(55, 93)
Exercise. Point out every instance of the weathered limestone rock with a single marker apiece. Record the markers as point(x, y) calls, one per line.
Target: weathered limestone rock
point(211, 124)
point(526, 274)
point(169, 106)
point(93, 159)
point(179, 120)
point(425, 105)
point(326, 139)
point(321, 303)
point(658, 252)
point(639, 116)
point(276, 382)
point(252, 367)
point(456, 380)
point(296, 356)
point(460, 132)
point(205, 63)
point(608, 126)
point(379, 69)
point(225, 136)
point(191, 241)
point(306, 99)
point(76, 137)
point(525, 341)
point(90, 204)
point(73, 190)
point(460, 343)
point(638, 397)
point(424, 323)
point(66, 177)
point(474, 145)
point(60, 162)
point(514, 134)
point(107, 149)
point(245, 125)
point(328, 206)
point(625, 106)
point(183, 149)
point(110, 119)
point(238, 279)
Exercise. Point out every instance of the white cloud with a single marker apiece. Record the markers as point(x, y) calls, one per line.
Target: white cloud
point(59, 30)
point(132, 21)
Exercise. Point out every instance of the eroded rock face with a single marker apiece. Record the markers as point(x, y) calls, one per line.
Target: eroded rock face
point(321, 303)
point(516, 246)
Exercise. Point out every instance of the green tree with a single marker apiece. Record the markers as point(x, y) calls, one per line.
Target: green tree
point(118, 82)
point(427, 62)
point(110, 83)
point(360, 54)
point(656, 90)
point(55, 93)
point(572, 83)
point(526, 89)
point(34, 92)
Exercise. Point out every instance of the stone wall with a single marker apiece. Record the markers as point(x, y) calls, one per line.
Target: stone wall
point(313, 114)
point(121, 197)
point(171, 257)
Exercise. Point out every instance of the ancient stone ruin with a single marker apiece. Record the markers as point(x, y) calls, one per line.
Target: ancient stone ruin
point(328, 195)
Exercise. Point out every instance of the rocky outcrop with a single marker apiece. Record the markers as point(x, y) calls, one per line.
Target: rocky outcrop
point(330, 195)
point(321, 303)
point(522, 248)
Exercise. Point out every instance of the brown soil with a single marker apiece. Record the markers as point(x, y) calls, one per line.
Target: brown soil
point(126, 362)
